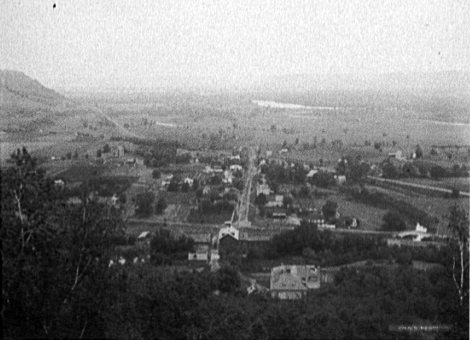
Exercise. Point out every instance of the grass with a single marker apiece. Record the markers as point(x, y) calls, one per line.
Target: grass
point(434, 206)
point(460, 183)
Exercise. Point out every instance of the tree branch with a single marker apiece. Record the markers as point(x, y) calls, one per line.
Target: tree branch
point(83, 330)
point(20, 214)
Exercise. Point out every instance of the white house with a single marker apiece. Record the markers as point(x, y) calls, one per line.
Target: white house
point(234, 232)
point(188, 180)
point(236, 167)
point(59, 183)
point(312, 173)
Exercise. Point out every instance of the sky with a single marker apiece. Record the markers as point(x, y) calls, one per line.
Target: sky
point(152, 43)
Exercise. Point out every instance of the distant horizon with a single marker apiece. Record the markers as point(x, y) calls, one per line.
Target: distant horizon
point(220, 44)
point(177, 85)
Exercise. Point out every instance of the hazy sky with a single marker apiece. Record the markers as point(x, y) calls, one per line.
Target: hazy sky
point(149, 42)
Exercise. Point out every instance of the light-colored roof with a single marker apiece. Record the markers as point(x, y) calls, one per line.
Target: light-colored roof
point(144, 234)
point(286, 281)
point(201, 237)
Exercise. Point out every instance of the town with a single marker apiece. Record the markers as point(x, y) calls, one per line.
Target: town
point(235, 170)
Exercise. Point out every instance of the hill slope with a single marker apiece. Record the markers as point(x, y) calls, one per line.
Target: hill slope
point(18, 91)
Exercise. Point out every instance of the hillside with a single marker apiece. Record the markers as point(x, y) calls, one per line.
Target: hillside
point(18, 91)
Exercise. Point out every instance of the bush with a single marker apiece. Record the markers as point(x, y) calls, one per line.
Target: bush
point(438, 172)
point(160, 206)
point(156, 174)
point(329, 210)
point(144, 203)
point(393, 222)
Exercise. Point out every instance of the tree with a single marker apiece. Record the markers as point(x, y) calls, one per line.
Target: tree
point(419, 152)
point(156, 174)
point(54, 257)
point(106, 148)
point(459, 227)
point(323, 179)
point(287, 201)
point(160, 206)
point(144, 202)
point(195, 184)
point(329, 210)
point(260, 200)
point(438, 172)
point(389, 171)
point(98, 153)
point(173, 186)
point(185, 187)
point(392, 221)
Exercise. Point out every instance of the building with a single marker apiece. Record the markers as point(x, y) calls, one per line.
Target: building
point(397, 155)
point(202, 247)
point(263, 189)
point(278, 202)
point(340, 179)
point(189, 181)
point(59, 183)
point(236, 167)
point(290, 282)
point(232, 241)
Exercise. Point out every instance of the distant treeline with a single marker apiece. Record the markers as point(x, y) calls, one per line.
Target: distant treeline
point(147, 142)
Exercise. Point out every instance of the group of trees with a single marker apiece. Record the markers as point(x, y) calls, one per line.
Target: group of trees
point(278, 174)
point(144, 205)
point(384, 201)
point(54, 257)
point(423, 170)
point(166, 247)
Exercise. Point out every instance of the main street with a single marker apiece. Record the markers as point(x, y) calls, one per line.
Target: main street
point(244, 202)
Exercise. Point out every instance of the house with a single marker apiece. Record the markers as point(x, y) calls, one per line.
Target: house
point(311, 173)
point(293, 220)
point(278, 202)
point(229, 231)
point(340, 179)
point(235, 158)
point(74, 200)
point(283, 151)
point(397, 155)
point(269, 153)
point(198, 256)
point(114, 199)
point(143, 235)
point(236, 167)
point(290, 282)
point(417, 235)
point(263, 189)
point(59, 183)
point(189, 181)
point(228, 178)
point(119, 151)
point(327, 226)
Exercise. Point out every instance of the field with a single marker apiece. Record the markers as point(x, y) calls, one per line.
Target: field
point(434, 206)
